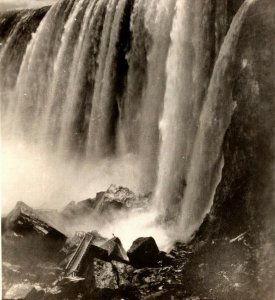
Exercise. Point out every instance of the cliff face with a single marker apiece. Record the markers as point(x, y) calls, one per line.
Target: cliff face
point(244, 199)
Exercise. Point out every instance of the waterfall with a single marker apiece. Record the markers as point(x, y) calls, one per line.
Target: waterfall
point(152, 98)
point(104, 104)
point(112, 81)
point(177, 122)
point(191, 57)
point(206, 160)
point(15, 29)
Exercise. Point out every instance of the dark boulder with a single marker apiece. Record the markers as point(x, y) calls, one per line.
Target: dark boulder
point(28, 231)
point(144, 252)
point(24, 220)
point(106, 276)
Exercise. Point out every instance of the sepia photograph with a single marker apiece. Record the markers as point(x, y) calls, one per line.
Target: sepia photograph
point(137, 149)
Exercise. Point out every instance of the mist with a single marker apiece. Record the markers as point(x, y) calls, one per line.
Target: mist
point(42, 180)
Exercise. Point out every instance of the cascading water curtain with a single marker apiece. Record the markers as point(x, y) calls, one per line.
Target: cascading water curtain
point(104, 79)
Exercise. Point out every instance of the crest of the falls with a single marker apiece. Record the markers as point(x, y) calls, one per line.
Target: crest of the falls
point(118, 80)
point(32, 91)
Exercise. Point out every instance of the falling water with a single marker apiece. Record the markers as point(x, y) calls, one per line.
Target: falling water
point(207, 161)
point(104, 103)
point(105, 82)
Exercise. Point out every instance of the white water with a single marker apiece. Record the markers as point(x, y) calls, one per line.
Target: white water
point(206, 162)
point(70, 130)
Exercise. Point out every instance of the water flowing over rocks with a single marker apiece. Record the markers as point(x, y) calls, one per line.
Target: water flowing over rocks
point(185, 89)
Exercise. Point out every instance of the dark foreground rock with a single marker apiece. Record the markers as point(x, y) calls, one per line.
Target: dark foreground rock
point(36, 238)
point(143, 252)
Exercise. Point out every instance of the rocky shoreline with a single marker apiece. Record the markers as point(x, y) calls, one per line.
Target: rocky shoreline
point(42, 262)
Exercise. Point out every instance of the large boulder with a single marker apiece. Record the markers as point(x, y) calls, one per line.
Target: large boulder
point(24, 220)
point(115, 250)
point(27, 230)
point(110, 275)
point(104, 275)
point(144, 252)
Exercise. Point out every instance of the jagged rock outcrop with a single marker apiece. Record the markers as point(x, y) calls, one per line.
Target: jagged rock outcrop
point(26, 230)
point(23, 220)
point(116, 198)
point(105, 203)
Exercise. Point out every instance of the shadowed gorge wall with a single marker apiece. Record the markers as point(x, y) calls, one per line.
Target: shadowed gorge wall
point(246, 187)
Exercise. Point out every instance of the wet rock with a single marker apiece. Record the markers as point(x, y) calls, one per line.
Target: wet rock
point(114, 198)
point(23, 220)
point(143, 252)
point(81, 208)
point(124, 273)
point(104, 275)
point(75, 212)
point(26, 230)
point(115, 250)
point(108, 278)
point(165, 259)
point(117, 198)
